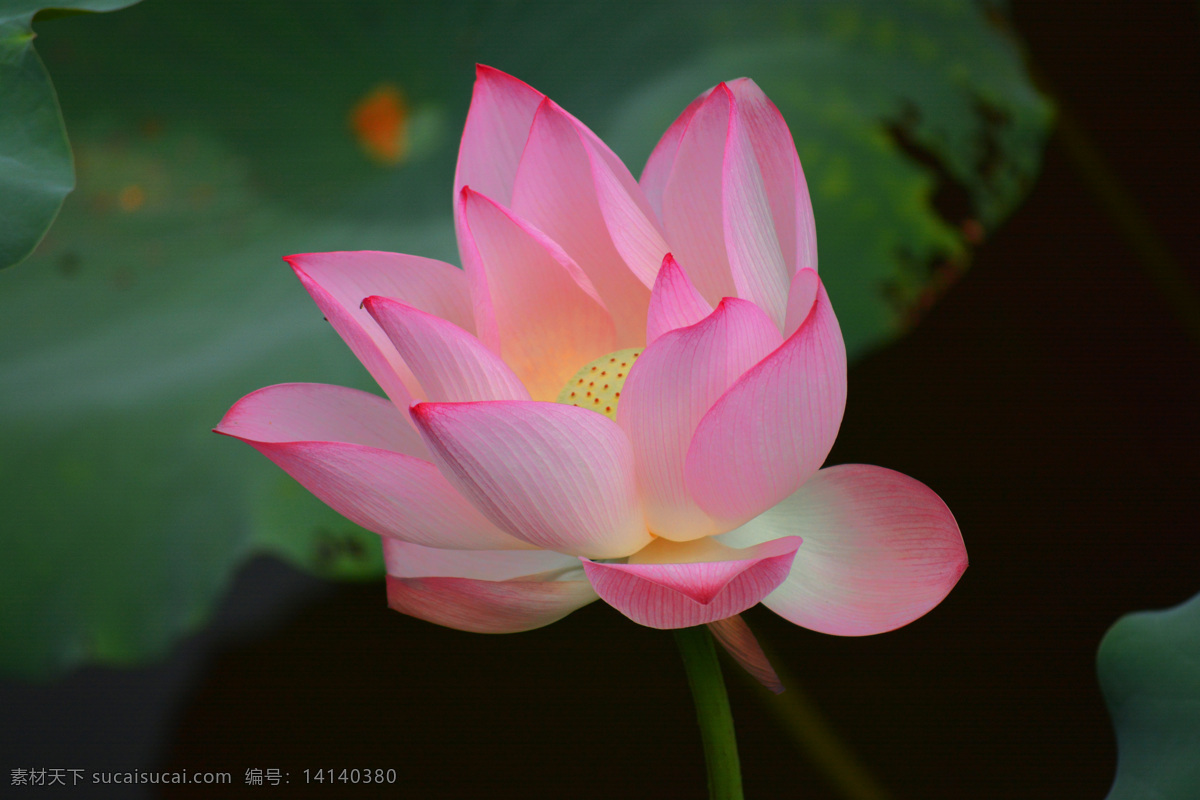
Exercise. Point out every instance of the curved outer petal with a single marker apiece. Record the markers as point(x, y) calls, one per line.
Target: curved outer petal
point(692, 199)
point(739, 641)
point(802, 294)
point(783, 178)
point(674, 301)
point(662, 160)
point(502, 109)
point(488, 606)
point(773, 429)
point(406, 560)
point(339, 282)
point(679, 595)
point(755, 260)
point(482, 591)
point(548, 319)
point(299, 412)
point(632, 223)
point(669, 389)
point(880, 550)
point(556, 476)
point(449, 363)
point(556, 191)
point(727, 183)
point(298, 427)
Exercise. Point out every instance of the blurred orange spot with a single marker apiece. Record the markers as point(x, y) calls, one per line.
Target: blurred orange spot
point(380, 123)
point(972, 230)
point(132, 198)
point(152, 127)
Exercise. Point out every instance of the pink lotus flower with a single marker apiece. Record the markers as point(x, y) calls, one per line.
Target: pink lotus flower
point(626, 393)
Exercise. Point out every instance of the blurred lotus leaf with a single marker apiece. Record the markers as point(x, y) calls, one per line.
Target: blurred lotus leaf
point(37, 171)
point(214, 137)
point(1149, 667)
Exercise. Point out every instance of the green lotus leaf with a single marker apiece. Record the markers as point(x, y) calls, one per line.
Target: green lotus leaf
point(1149, 668)
point(37, 172)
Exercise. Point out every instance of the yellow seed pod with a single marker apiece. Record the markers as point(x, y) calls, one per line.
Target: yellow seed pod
point(598, 385)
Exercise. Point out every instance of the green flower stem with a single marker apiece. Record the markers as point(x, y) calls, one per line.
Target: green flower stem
point(712, 712)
